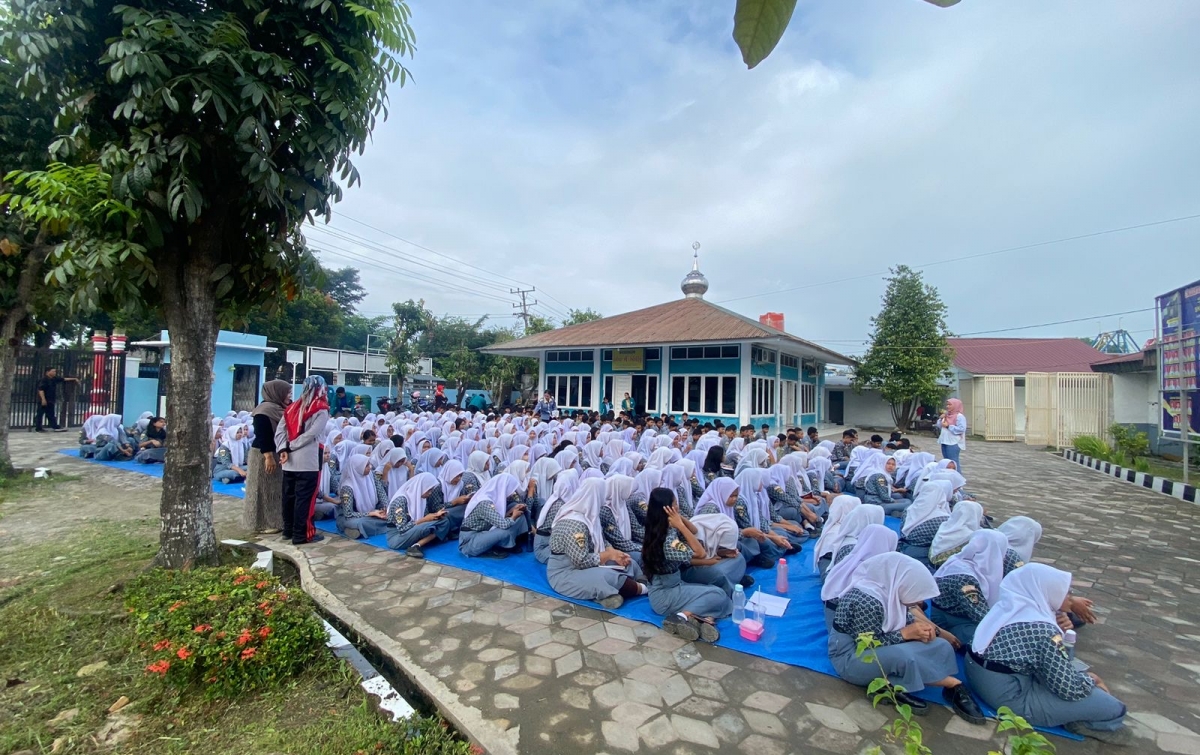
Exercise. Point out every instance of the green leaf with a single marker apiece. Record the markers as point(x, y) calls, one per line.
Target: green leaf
point(220, 272)
point(758, 25)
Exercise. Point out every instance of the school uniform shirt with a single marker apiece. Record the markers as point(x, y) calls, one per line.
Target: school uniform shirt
point(484, 517)
point(224, 460)
point(548, 521)
point(782, 498)
point(875, 490)
point(685, 508)
point(572, 539)
point(346, 499)
point(435, 501)
point(676, 552)
point(842, 552)
point(1012, 560)
point(638, 506)
point(470, 484)
point(1036, 649)
point(859, 613)
point(741, 515)
point(922, 535)
point(398, 516)
point(961, 595)
point(612, 532)
point(841, 452)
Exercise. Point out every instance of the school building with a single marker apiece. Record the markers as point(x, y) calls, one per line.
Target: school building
point(685, 356)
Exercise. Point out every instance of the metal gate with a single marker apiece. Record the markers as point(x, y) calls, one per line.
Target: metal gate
point(1041, 409)
point(74, 400)
point(1000, 407)
point(1083, 405)
point(245, 387)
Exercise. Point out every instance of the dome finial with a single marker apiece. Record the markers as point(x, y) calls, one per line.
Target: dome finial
point(694, 284)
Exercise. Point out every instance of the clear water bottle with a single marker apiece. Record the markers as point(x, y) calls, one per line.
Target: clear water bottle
point(739, 604)
point(781, 577)
point(1069, 638)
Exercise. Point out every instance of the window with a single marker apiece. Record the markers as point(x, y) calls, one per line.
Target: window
point(569, 356)
point(760, 355)
point(703, 394)
point(701, 352)
point(570, 391)
point(789, 361)
point(808, 398)
point(762, 396)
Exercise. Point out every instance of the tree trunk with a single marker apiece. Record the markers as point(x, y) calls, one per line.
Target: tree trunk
point(12, 332)
point(187, 537)
point(903, 414)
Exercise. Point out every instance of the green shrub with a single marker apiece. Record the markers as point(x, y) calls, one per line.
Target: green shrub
point(225, 629)
point(1130, 443)
point(1090, 445)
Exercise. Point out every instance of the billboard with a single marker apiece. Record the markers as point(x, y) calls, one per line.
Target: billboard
point(629, 359)
point(1178, 321)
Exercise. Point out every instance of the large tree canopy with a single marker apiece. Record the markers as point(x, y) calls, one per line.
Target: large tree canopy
point(908, 354)
point(224, 125)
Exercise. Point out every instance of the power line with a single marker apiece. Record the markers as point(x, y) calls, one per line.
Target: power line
point(524, 305)
point(972, 256)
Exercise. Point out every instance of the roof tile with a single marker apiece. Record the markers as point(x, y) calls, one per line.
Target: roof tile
point(1016, 356)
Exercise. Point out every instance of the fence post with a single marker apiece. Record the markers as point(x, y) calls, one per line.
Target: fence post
point(99, 347)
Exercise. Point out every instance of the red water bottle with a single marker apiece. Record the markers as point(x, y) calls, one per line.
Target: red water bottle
point(781, 576)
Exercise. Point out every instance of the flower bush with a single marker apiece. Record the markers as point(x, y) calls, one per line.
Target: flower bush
point(226, 629)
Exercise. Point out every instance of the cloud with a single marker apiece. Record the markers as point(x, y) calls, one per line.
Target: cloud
point(582, 147)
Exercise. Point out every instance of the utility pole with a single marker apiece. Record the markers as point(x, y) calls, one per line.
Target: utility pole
point(524, 305)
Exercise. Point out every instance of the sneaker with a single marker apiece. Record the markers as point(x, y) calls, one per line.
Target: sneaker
point(961, 702)
point(1120, 737)
point(708, 632)
point(315, 539)
point(494, 554)
point(687, 630)
point(60, 429)
point(38, 430)
point(352, 533)
point(414, 551)
point(612, 602)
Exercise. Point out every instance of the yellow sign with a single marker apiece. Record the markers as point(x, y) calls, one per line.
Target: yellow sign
point(629, 359)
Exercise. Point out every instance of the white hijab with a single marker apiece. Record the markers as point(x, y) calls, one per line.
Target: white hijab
point(237, 448)
point(592, 454)
point(956, 531)
point(897, 581)
point(753, 458)
point(477, 465)
point(544, 471)
point(361, 482)
point(715, 531)
point(1023, 533)
point(672, 478)
point(1031, 594)
point(870, 466)
point(565, 486)
point(414, 491)
point(873, 540)
point(621, 466)
point(646, 481)
point(982, 558)
point(659, 458)
point(718, 492)
point(496, 490)
point(584, 507)
point(446, 474)
point(616, 493)
point(855, 522)
point(820, 467)
point(831, 532)
point(752, 486)
point(933, 501)
point(398, 474)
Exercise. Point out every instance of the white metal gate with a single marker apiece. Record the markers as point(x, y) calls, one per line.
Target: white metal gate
point(1083, 405)
point(1041, 409)
point(1000, 406)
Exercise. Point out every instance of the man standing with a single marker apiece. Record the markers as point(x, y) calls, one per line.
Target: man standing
point(47, 392)
point(546, 407)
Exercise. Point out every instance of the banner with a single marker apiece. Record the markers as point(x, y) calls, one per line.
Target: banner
point(628, 360)
point(1179, 360)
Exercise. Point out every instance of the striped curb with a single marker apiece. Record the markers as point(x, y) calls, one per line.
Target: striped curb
point(1186, 493)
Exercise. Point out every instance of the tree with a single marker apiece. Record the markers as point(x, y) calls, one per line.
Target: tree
point(224, 127)
point(908, 353)
point(577, 316)
point(344, 287)
point(536, 325)
point(411, 322)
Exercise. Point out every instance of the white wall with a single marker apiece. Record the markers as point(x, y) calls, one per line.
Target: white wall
point(1135, 400)
point(867, 409)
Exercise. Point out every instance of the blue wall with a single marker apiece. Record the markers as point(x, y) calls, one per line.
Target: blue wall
point(141, 395)
point(226, 357)
point(706, 367)
point(568, 368)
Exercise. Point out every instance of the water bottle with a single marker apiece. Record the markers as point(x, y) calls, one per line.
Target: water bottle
point(781, 577)
point(739, 604)
point(1069, 638)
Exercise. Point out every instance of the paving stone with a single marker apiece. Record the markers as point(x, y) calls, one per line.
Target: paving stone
point(620, 632)
point(506, 668)
point(591, 678)
point(610, 646)
point(629, 660)
point(577, 623)
point(757, 744)
point(657, 733)
point(633, 714)
point(553, 650)
point(538, 638)
point(640, 692)
point(577, 698)
point(491, 655)
point(764, 723)
point(707, 688)
point(711, 670)
point(835, 741)
point(664, 641)
point(868, 718)
point(610, 695)
point(1160, 724)
point(569, 663)
point(411, 634)
point(651, 674)
point(538, 665)
point(695, 731)
point(620, 736)
point(521, 682)
point(674, 689)
point(983, 732)
point(767, 701)
point(592, 634)
point(1185, 744)
point(833, 718)
point(729, 726)
point(505, 701)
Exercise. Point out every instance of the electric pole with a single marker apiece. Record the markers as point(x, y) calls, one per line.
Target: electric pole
point(524, 305)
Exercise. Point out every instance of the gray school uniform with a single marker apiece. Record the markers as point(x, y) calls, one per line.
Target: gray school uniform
point(574, 569)
point(405, 532)
point(614, 536)
point(223, 468)
point(960, 606)
point(1041, 684)
point(108, 448)
point(763, 554)
point(670, 594)
point(916, 543)
point(724, 574)
point(911, 665)
point(485, 529)
point(541, 539)
point(786, 502)
point(347, 515)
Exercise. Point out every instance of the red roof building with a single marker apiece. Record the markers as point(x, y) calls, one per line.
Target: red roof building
point(1017, 356)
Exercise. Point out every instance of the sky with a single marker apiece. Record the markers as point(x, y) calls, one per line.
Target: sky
point(582, 146)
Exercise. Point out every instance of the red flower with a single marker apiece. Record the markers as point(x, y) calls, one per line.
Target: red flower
point(267, 612)
point(264, 605)
point(241, 578)
point(162, 644)
point(175, 607)
point(264, 632)
point(248, 653)
point(244, 637)
point(159, 667)
point(184, 654)
point(202, 628)
point(262, 584)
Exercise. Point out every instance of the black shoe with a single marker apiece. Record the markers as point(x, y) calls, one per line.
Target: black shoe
point(494, 554)
point(918, 706)
point(1120, 737)
point(60, 429)
point(746, 581)
point(39, 430)
point(414, 551)
point(961, 702)
point(315, 539)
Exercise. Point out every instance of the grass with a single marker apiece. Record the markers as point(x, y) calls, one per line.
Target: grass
point(61, 609)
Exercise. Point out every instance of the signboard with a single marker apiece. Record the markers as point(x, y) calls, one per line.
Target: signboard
point(295, 357)
point(333, 360)
point(629, 359)
point(322, 359)
point(1178, 359)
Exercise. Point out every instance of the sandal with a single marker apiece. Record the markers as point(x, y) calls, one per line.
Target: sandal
point(685, 629)
point(708, 630)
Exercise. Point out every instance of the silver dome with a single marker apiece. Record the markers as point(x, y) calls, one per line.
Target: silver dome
point(694, 284)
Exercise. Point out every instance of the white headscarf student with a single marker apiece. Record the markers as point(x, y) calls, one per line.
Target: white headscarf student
point(957, 483)
point(478, 464)
point(1023, 533)
point(672, 478)
point(395, 462)
point(621, 466)
point(659, 458)
point(639, 500)
point(565, 485)
point(579, 553)
point(362, 504)
point(716, 532)
point(614, 450)
point(485, 525)
point(431, 461)
point(1018, 660)
point(231, 454)
point(854, 523)
point(831, 532)
point(618, 525)
point(694, 461)
point(592, 454)
point(753, 458)
point(873, 540)
point(568, 458)
point(955, 531)
point(543, 472)
point(413, 525)
point(716, 498)
point(932, 503)
point(969, 582)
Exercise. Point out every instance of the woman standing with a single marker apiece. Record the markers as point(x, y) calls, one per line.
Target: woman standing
point(297, 440)
point(953, 433)
point(263, 511)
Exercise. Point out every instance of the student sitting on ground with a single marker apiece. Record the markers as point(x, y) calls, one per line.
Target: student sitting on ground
point(952, 536)
point(873, 540)
point(230, 459)
point(488, 531)
point(362, 500)
point(929, 511)
point(564, 487)
point(153, 448)
point(582, 564)
point(413, 527)
point(969, 583)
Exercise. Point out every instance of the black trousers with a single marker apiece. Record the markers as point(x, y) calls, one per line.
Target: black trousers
point(299, 501)
point(45, 410)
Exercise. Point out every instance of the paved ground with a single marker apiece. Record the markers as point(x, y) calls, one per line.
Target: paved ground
point(554, 677)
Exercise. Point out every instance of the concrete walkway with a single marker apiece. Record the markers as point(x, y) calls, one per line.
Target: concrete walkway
point(521, 672)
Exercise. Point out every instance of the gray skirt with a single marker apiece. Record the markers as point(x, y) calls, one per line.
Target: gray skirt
point(596, 583)
point(541, 548)
point(911, 665)
point(1041, 707)
point(669, 594)
point(397, 540)
point(263, 509)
